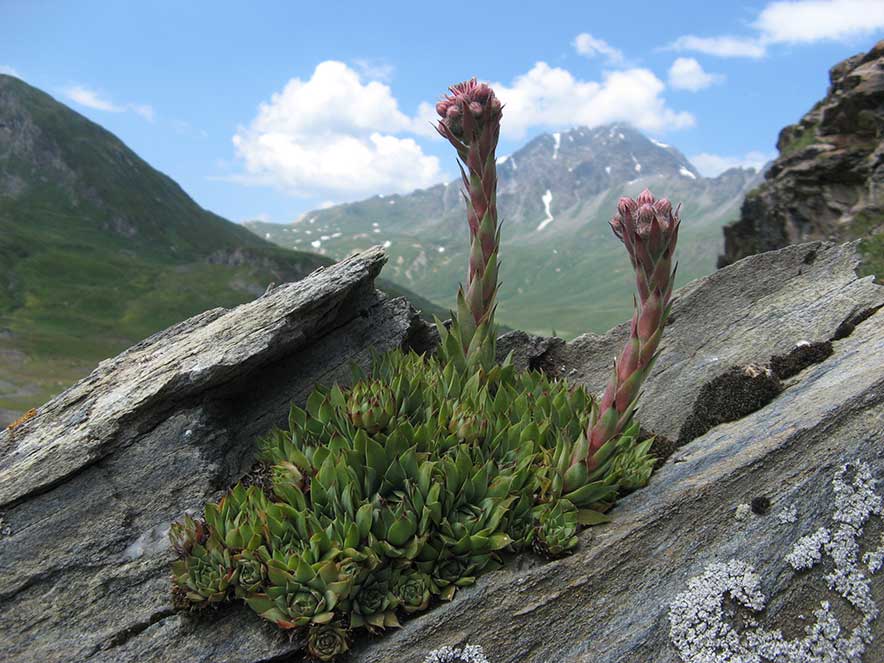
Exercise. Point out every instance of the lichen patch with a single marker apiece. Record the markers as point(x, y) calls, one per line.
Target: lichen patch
point(702, 632)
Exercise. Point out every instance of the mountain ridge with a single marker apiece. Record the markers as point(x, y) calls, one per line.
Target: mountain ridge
point(555, 196)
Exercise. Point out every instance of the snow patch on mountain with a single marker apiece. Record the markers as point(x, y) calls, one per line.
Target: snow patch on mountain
point(684, 171)
point(547, 200)
point(557, 137)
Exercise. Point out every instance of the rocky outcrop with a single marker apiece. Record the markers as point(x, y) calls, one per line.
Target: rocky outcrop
point(828, 181)
point(89, 486)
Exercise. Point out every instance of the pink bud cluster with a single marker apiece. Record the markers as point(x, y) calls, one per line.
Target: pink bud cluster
point(464, 113)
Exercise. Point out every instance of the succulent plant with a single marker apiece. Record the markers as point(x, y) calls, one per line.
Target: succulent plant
point(206, 574)
point(396, 491)
point(648, 229)
point(412, 589)
point(326, 641)
point(556, 531)
point(371, 406)
point(186, 534)
point(372, 604)
point(251, 572)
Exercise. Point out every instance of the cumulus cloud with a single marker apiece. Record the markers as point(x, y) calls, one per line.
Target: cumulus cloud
point(793, 22)
point(333, 135)
point(92, 99)
point(711, 165)
point(550, 97)
point(9, 71)
point(590, 46)
point(817, 20)
point(688, 74)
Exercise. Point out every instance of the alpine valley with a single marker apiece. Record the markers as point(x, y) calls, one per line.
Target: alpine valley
point(562, 270)
point(98, 250)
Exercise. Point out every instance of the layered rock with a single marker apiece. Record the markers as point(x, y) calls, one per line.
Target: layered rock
point(89, 486)
point(828, 181)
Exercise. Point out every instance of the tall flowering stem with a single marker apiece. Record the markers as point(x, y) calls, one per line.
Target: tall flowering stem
point(470, 120)
point(648, 229)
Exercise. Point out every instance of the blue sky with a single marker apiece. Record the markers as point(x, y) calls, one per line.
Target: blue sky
point(270, 109)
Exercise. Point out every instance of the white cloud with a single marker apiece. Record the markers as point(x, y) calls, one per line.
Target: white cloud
point(9, 71)
point(550, 97)
point(794, 22)
point(373, 69)
point(816, 20)
point(711, 165)
point(96, 101)
point(587, 45)
point(332, 134)
point(91, 99)
point(688, 74)
point(725, 47)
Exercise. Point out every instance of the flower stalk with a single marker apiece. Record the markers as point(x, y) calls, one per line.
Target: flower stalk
point(470, 120)
point(648, 229)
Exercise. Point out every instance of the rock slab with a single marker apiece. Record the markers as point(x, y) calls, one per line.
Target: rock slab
point(89, 486)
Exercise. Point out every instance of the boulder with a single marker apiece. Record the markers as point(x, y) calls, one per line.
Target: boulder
point(764, 508)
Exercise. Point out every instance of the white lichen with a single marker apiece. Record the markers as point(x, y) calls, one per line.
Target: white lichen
point(788, 515)
point(743, 512)
point(446, 654)
point(702, 633)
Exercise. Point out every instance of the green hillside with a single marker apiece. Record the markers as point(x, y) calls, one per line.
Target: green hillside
point(98, 250)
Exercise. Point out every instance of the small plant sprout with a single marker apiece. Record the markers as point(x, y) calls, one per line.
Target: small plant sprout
point(386, 496)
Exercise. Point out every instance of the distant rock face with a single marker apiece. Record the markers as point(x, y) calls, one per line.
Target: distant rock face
point(768, 509)
point(828, 182)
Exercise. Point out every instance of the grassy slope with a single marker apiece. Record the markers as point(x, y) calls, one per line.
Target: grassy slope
point(94, 262)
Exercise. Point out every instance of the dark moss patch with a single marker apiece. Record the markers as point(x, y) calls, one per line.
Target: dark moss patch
point(846, 328)
point(732, 395)
point(802, 356)
point(760, 505)
point(661, 448)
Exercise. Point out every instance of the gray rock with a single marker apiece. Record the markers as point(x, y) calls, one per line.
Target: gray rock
point(90, 485)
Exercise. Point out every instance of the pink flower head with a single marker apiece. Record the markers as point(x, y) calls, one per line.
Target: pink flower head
point(646, 220)
point(470, 107)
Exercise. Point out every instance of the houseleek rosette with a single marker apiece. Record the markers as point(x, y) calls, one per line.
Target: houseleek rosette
point(470, 120)
point(326, 641)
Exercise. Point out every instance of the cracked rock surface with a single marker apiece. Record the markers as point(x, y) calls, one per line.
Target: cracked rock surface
point(90, 485)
